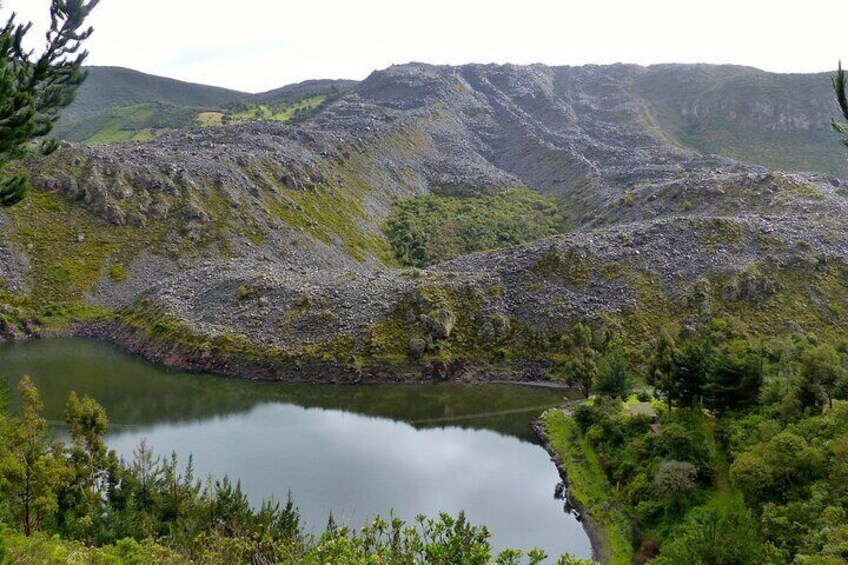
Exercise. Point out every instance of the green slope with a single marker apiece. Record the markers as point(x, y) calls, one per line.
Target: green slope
point(117, 104)
point(781, 121)
point(113, 87)
point(137, 122)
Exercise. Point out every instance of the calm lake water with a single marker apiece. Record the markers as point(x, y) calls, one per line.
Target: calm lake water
point(358, 451)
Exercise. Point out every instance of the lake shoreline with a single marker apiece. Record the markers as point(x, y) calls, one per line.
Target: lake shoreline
point(266, 368)
point(604, 518)
point(233, 421)
point(593, 529)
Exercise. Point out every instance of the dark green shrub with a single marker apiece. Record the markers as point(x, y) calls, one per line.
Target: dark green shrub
point(586, 416)
point(722, 532)
point(430, 229)
point(841, 390)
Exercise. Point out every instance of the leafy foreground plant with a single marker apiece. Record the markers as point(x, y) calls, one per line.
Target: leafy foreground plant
point(78, 503)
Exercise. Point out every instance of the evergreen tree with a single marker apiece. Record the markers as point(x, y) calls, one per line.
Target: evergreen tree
point(735, 376)
point(581, 370)
point(89, 461)
point(691, 370)
point(840, 86)
point(614, 378)
point(34, 90)
point(30, 468)
point(662, 368)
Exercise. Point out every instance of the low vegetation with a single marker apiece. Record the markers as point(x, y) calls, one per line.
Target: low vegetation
point(147, 120)
point(279, 112)
point(429, 229)
point(137, 122)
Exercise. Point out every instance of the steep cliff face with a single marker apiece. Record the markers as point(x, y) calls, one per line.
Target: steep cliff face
point(270, 236)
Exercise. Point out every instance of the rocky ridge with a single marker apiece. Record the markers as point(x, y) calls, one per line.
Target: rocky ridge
point(271, 235)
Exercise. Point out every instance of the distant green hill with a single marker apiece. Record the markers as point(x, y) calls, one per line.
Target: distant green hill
point(781, 121)
point(113, 87)
point(117, 104)
point(303, 90)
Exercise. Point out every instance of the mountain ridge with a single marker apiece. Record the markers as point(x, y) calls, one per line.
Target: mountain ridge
point(222, 246)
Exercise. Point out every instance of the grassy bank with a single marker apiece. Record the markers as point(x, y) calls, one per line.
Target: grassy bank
point(589, 489)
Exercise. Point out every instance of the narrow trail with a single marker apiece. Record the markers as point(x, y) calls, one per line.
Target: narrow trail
point(479, 415)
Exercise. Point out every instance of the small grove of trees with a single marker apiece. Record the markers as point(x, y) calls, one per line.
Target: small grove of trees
point(792, 468)
point(763, 480)
point(719, 368)
point(715, 367)
point(102, 509)
point(33, 90)
point(595, 365)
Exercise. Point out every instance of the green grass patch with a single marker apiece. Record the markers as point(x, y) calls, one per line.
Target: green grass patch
point(118, 273)
point(283, 112)
point(210, 118)
point(590, 488)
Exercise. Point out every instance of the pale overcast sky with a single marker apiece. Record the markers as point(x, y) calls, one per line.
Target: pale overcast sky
point(256, 45)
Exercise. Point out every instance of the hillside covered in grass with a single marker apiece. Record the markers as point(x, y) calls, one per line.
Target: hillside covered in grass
point(115, 105)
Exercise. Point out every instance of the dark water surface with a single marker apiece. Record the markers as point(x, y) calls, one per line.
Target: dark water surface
point(358, 451)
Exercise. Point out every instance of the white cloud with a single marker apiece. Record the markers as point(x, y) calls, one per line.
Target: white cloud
point(262, 44)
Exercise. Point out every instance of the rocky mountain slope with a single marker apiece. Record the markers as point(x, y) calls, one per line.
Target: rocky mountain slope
point(259, 248)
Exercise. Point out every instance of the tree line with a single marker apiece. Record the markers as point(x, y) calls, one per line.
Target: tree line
point(716, 366)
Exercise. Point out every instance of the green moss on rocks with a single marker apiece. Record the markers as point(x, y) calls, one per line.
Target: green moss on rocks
point(436, 321)
point(788, 295)
point(572, 266)
point(723, 233)
point(332, 213)
point(70, 249)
